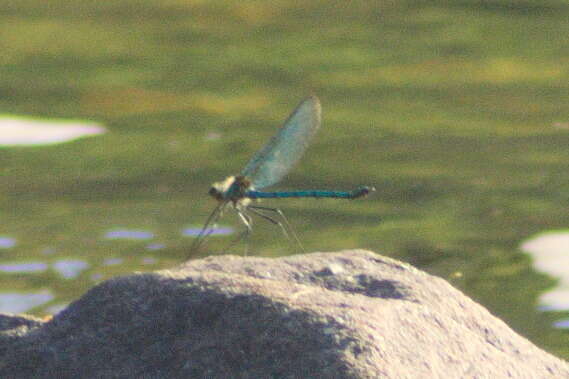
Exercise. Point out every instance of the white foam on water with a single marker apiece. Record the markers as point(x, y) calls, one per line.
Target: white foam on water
point(550, 253)
point(13, 302)
point(21, 131)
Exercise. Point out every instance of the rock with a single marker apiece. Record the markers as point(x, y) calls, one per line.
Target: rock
point(351, 314)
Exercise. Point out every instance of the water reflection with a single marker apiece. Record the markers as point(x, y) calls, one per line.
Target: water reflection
point(21, 131)
point(155, 246)
point(550, 253)
point(149, 261)
point(23, 302)
point(56, 308)
point(194, 232)
point(23, 267)
point(70, 269)
point(113, 261)
point(563, 324)
point(129, 234)
point(48, 251)
point(7, 242)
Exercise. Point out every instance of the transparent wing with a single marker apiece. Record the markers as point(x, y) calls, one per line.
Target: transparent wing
point(281, 153)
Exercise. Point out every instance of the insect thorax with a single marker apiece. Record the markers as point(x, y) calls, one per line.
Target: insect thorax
point(232, 188)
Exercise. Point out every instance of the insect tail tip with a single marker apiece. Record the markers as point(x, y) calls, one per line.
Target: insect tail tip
point(363, 191)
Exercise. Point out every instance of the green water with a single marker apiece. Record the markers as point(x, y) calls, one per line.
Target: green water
point(456, 111)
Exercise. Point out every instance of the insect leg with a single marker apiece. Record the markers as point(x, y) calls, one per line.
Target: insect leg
point(248, 222)
point(273, 221)
point(206, 230)
point(286, 227)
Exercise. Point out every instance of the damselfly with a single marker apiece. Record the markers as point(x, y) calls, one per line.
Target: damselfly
point(267, 168)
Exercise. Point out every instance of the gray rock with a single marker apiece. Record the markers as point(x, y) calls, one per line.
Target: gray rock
point(351, 314)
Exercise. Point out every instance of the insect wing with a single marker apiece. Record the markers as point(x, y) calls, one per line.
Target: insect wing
point(270, 164)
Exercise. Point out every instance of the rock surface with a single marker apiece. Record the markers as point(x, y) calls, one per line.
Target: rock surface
point(351, 314)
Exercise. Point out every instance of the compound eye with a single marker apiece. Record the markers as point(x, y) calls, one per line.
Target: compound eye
point(213, 192)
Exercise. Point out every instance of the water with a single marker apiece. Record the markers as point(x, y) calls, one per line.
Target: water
point(550, 254)
point(129, 234)
point(23, 302)
point(7, 242)
point(23, 267)
point(456, 111)
point(26, 131)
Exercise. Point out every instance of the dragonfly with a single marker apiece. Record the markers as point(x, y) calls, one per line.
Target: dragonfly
point(266, 168)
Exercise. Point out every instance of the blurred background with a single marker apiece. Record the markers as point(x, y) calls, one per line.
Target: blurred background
point(117, 117)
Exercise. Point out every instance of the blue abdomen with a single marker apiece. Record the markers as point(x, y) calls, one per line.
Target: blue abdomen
point(362, 191)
